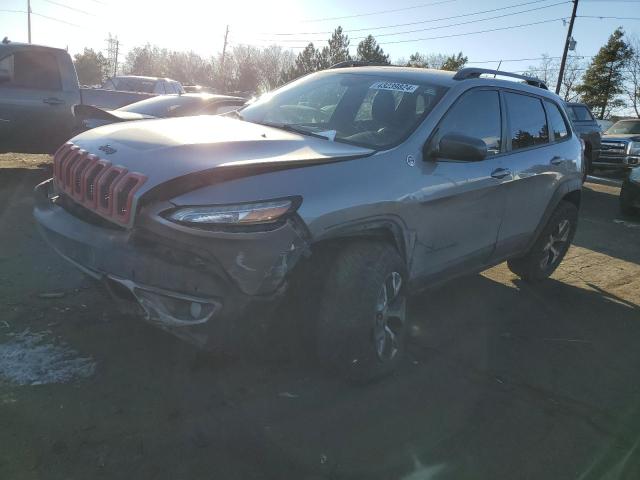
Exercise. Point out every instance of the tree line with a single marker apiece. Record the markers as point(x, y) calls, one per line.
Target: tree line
point(246, 68)
point(607, 83)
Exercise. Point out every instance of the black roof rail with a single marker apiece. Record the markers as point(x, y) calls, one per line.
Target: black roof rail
point(358, 63)
point(466, 73)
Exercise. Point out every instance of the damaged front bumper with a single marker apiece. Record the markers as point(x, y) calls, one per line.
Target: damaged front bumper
point(201, 286)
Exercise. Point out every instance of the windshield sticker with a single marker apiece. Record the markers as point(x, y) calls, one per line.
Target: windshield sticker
point(393, 86)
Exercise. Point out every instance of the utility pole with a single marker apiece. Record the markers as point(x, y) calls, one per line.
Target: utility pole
point(29, 19)
point(224, 52)
point(115, 63)
point(566, 47)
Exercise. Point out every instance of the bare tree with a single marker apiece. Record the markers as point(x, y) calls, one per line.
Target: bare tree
point(274, 60)
point(632, 78)
point(549, 68)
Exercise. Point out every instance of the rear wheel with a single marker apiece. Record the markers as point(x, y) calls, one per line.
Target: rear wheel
point(361, 326)
point(550, 247)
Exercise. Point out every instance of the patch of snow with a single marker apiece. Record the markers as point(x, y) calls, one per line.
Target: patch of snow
point(33, 358)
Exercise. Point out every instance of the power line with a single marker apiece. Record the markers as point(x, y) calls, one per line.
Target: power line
point(379, 12)
point(528, 59)
point(614, 18)
point(84, 12)
point(443, 26)
point(55, 19)
point(459, 34)
point(413, 23)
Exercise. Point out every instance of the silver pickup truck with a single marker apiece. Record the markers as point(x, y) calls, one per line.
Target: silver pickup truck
point(38, 92)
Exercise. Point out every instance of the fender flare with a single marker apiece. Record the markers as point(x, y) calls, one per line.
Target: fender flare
point(570, 189)
point(391, 228)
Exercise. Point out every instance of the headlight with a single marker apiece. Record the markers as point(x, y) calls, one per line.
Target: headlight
point(241, 214)
point(634, 148)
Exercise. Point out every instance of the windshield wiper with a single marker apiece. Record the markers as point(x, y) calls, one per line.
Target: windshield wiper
point(290, 128)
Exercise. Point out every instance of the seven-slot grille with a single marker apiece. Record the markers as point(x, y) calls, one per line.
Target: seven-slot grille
point(95, 183)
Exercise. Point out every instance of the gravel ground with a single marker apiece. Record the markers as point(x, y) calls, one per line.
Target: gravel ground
point(504, 380)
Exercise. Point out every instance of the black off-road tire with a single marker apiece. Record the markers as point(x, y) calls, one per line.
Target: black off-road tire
point(626, 205)
point(532, 266)
point(349, 314)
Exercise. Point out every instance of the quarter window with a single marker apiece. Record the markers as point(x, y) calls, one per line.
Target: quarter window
point(557, 122)
point(476, 114)
point(580, 114)
point(528, 121)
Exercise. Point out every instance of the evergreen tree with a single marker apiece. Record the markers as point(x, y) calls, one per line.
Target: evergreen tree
point(454, 62)
point(370, 51)
point(306, 62)
point(604, 78)
point(337, 50)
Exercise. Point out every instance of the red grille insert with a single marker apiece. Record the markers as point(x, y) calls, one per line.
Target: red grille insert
point(95, 183)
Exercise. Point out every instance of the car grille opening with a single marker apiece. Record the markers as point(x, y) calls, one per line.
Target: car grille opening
point(107, 190)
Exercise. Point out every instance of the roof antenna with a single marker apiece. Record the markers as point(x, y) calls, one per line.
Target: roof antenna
point(499, 63)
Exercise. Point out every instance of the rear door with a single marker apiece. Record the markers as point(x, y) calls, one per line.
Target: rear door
point(537, 163)
point(457, 224)
point(35, 112)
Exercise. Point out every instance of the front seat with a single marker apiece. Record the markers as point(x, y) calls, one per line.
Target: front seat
point(383, 109)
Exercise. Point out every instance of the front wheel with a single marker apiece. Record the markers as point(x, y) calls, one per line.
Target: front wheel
point(550, 247)
point(361, 325)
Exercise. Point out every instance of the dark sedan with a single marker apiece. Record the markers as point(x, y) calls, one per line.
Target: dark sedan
point(165, 106)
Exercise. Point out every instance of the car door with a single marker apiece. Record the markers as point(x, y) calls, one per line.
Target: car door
point(35, 112)
point(463, 202)
point(537, 164)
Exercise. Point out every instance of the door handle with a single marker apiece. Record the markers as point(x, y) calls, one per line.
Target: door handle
point(556, 160)
point(53, 101)
point(501, 173)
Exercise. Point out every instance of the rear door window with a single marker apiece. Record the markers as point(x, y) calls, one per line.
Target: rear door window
point(32, 69)
point(527, 119)
point(476, 114)
point(557, 122)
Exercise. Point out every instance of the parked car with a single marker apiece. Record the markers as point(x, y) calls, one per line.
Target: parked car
point(587, 127)
point(197, 89)
point(604, 124)
point(140, 84)
point(38, 92)
point(411, 178)
point(165, 106)
point(630, 192)
point(621, 145)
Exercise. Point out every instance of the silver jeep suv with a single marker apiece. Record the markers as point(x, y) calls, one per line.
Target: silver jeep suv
point(347, 189)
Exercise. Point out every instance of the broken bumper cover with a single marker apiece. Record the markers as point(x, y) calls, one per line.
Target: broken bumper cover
point(179, 282)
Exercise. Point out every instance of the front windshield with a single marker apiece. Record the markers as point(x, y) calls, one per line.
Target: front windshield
point(165, 106)
point(374, 111)
point(625, 128)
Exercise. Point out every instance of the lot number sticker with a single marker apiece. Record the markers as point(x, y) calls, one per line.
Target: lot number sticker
point(393, 86)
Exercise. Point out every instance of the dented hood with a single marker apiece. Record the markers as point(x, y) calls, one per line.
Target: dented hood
point(167, 149)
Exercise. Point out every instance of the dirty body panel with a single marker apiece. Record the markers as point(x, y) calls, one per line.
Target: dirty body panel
point(444, 216)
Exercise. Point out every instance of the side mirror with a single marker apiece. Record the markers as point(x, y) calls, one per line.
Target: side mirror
point(460, 147)
point(5, 76)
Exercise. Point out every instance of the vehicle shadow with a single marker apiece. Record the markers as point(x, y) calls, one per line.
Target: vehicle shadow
point(602, 228)
point(501, 381)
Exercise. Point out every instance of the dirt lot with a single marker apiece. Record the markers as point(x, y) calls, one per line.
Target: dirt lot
point(504, 380)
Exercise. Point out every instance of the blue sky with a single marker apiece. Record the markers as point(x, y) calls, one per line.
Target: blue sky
point(199, 25)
